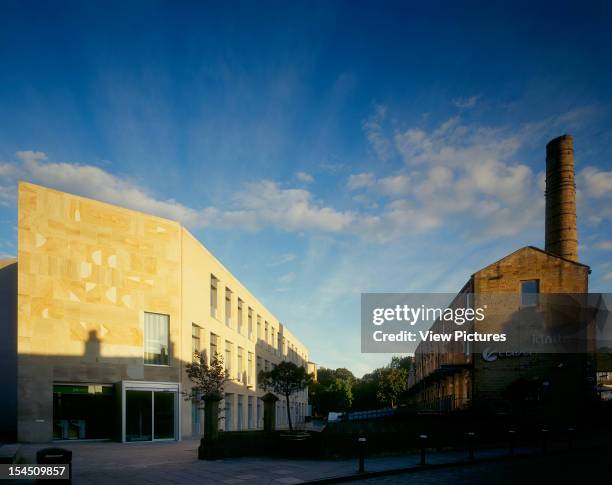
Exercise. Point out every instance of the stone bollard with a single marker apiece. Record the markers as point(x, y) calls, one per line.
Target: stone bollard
point(423, 440)
point(544, 432)
point(512, 436)
point(470, 437)
point(361, 443)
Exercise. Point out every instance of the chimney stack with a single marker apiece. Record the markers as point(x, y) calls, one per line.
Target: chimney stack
point(561, 232)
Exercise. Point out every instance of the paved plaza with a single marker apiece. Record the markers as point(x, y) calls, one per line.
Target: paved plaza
point(176, 462)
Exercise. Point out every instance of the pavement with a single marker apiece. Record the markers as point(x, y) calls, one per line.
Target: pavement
point(176, 462)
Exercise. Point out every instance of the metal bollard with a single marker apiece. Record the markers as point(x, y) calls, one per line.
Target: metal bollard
point(571, 436)
point(544, 440)
point(361, 443)
point(470, 436)
point(423, 438)
point(511, 434)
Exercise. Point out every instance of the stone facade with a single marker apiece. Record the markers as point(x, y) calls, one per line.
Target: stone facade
point(88, 272)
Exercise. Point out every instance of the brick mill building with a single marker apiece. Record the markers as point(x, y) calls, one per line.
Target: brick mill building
point(463, 378)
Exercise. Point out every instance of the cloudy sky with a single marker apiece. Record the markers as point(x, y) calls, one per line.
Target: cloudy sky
point(319, 149)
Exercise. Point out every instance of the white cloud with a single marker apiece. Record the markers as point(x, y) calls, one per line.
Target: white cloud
point(286, 278)
point(607, 277)
point(469, 102)
point(304, 177)
point(360, 180)
point(283, 259)
point(372, 127)
point(266, 203)
point(606, 245)
point(94, 182)
point(597, 183)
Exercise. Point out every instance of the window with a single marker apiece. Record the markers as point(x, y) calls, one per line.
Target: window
point(213, 346)
point(272, 336)
point(258, 327)
point(266, 333)
point(240, 315)
point(239, 417)
point(195, 339)
point(229, 404)
point(259, 364)
point(250, 369)
point(250, 412)
point(213, 296)
point(228, 358)
point(156, 330)
point(250, 317)
point(228, 307)
point(530, 290)
point(240, 364)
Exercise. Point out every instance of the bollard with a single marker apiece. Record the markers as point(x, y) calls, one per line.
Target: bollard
point(361, 443)
point(423, 438)
point(511, 434)
point(470, 436)
point(544, 440)
point(571, 436)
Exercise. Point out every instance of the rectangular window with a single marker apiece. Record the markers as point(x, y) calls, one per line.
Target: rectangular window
point(229, 404)
point(239, 416)
point(250, 413)
point(250, 317)
point(259, 364)
point(228, 307)
point(213, 346)
point(213, 296)
point(259, 413)
point(240, 369)
point(195, 339)
point(258, 327)
point(239, 316)
point(156, 332)
point(266, 333)
point(250, 369)
point(530, 290)
point(228, 358)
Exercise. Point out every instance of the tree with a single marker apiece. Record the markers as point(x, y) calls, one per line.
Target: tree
point(208, 383)
point(285, 379)
point(392, 382)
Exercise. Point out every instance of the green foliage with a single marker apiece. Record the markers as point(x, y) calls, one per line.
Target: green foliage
point(381, 388)
point(392, 382)
point(285, 379)
point(208, 381)
point(338, 396)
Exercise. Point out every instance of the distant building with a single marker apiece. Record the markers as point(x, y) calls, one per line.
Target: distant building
point(105, 307)
point(463, 379)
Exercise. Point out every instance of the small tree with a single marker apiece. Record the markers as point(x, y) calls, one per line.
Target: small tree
point(392, 383)
point(285, 379)
point(208, 383)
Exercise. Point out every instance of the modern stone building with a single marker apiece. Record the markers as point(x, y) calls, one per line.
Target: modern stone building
point(446, 379)
point(110, 305)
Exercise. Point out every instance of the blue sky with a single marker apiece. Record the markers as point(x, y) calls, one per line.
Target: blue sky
point(319, 149)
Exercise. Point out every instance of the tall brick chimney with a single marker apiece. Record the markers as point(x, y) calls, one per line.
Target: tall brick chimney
point(561, 232)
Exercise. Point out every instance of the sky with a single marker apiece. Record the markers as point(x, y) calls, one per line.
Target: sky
point(319, 149)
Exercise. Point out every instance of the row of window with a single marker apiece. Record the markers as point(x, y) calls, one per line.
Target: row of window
point(269, 336)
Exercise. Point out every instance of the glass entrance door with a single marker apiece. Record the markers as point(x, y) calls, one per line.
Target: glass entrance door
point(150, 415)
point(163, 412)
point(138, 413)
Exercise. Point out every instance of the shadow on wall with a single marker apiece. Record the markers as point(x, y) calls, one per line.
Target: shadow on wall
point(47, 397)
point(8, 350)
